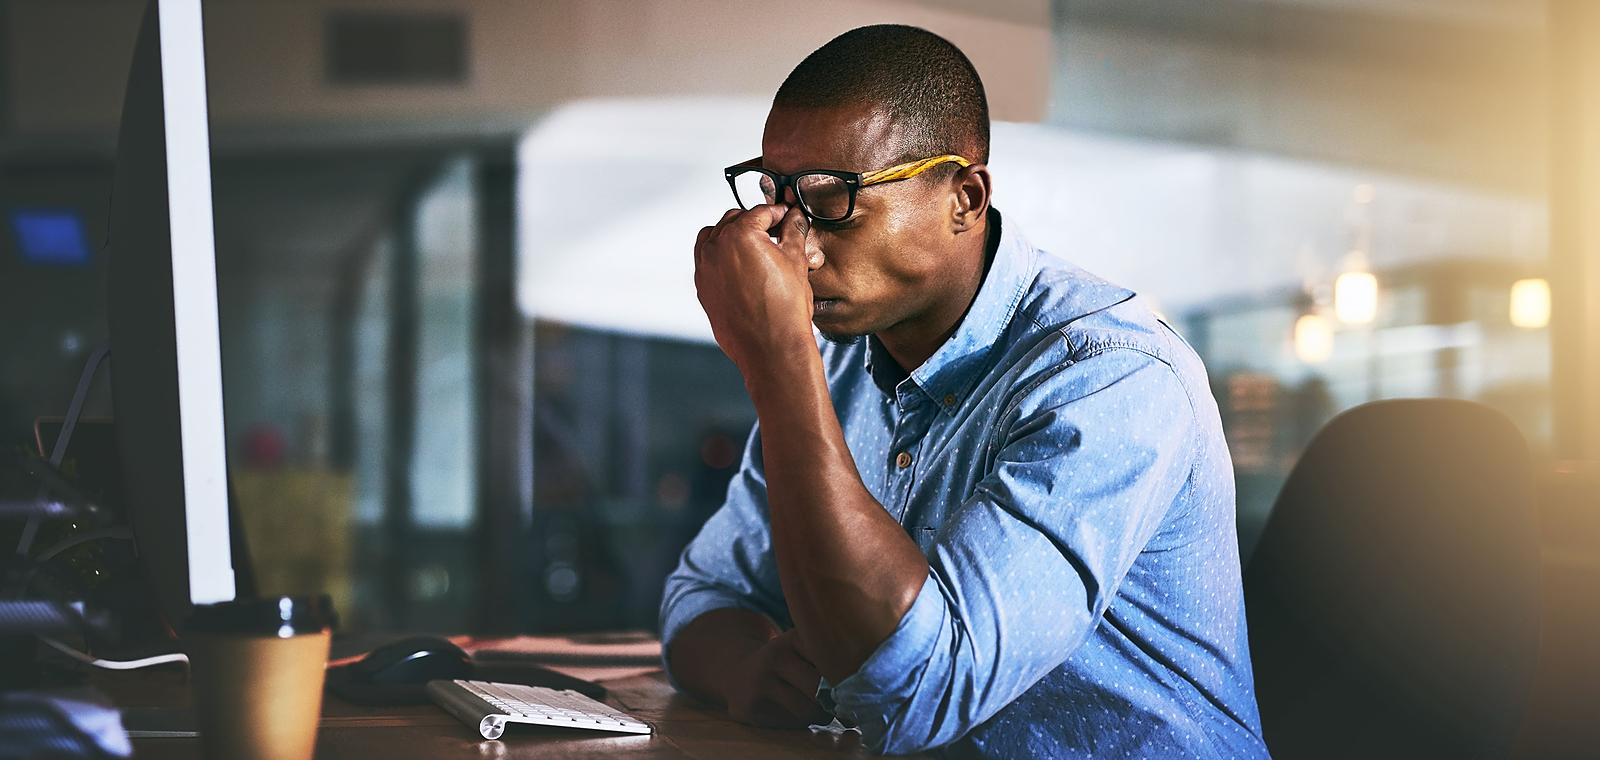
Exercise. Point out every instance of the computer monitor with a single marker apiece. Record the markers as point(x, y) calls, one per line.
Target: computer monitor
point(166, 360)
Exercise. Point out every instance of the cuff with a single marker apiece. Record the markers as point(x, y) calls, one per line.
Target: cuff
point(876, 695)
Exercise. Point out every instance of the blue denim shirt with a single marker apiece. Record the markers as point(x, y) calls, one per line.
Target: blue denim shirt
point(1070, 486)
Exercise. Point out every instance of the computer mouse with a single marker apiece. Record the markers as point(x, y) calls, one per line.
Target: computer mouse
point(414, 660)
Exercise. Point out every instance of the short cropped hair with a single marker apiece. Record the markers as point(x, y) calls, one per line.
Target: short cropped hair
point(927, 84)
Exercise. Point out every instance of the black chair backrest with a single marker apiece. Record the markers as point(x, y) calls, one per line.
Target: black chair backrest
point(1393, 599)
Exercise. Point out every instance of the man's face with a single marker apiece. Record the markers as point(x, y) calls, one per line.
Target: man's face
point(883, 265)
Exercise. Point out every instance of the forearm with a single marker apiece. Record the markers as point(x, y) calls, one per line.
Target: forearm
point(848, 570)
point(700, 653)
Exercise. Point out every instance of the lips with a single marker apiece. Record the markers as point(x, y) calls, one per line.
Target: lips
point(823, 308)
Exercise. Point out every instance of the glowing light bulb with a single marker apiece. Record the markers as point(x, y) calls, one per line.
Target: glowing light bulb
point(1313, 339)
point(1355, 298)
point(1530, 303)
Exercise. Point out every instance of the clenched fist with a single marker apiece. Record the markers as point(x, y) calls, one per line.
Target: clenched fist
point(756, 293)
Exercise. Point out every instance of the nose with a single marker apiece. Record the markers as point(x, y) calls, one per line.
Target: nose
point(814, 256)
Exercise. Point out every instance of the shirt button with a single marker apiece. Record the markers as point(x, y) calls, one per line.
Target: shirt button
point(950, 399)
point(903, 460)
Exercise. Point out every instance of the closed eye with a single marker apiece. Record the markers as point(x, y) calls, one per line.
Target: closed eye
point(839, 226)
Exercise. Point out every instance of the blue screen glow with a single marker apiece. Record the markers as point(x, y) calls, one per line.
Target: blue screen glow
point(51, 237)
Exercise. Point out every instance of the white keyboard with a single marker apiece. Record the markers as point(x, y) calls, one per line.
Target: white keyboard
point(490, 706)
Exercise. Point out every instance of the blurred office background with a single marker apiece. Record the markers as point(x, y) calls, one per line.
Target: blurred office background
point(469, 387)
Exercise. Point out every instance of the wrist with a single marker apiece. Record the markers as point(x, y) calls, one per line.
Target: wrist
point(781, 365)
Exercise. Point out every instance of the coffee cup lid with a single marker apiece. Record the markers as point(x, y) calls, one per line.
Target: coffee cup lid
point(281, 616)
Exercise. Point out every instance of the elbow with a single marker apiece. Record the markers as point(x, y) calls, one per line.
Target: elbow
point(917, 691)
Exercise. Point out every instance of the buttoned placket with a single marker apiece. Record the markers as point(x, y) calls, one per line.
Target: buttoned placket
point(913, 413)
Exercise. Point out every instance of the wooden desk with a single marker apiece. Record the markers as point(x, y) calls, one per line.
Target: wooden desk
point(685, 728)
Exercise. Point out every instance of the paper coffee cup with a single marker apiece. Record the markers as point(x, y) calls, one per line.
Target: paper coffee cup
point(257, 670)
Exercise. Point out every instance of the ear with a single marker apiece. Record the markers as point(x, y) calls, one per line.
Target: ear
point(970, 200)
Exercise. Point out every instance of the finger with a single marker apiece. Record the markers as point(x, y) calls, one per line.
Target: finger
point(798, 705)
point(792, 233)
point(795, 646)
point(700, 241)
point(729, 214)
point(765, 217)
point(796, 671)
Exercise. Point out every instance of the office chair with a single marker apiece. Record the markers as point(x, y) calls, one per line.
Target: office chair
point(1393, 600)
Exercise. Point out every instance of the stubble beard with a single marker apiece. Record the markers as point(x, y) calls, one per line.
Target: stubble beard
point(840, 339)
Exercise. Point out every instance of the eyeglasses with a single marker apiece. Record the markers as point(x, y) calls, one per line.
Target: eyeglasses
point(824, 195)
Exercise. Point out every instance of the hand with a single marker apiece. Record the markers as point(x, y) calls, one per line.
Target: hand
point(775, 686)
point(757, 294)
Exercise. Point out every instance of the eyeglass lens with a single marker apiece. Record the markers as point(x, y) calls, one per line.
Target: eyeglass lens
point(824, 196)
point(754, 189)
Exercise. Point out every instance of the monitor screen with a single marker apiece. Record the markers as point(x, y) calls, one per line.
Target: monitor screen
point(52, 237)
point(161, 297)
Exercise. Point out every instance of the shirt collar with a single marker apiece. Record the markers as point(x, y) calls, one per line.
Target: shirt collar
point(952, 370)
point(958, 364)
point(947, 376)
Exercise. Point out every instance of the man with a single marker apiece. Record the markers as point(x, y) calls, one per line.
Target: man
point(993, 509)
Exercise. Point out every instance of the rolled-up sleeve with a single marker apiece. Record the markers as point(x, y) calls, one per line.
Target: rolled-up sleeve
point(729, 563)
point(1085, 469)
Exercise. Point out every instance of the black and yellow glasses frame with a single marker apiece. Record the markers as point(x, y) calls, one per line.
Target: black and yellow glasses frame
point(853, 181)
